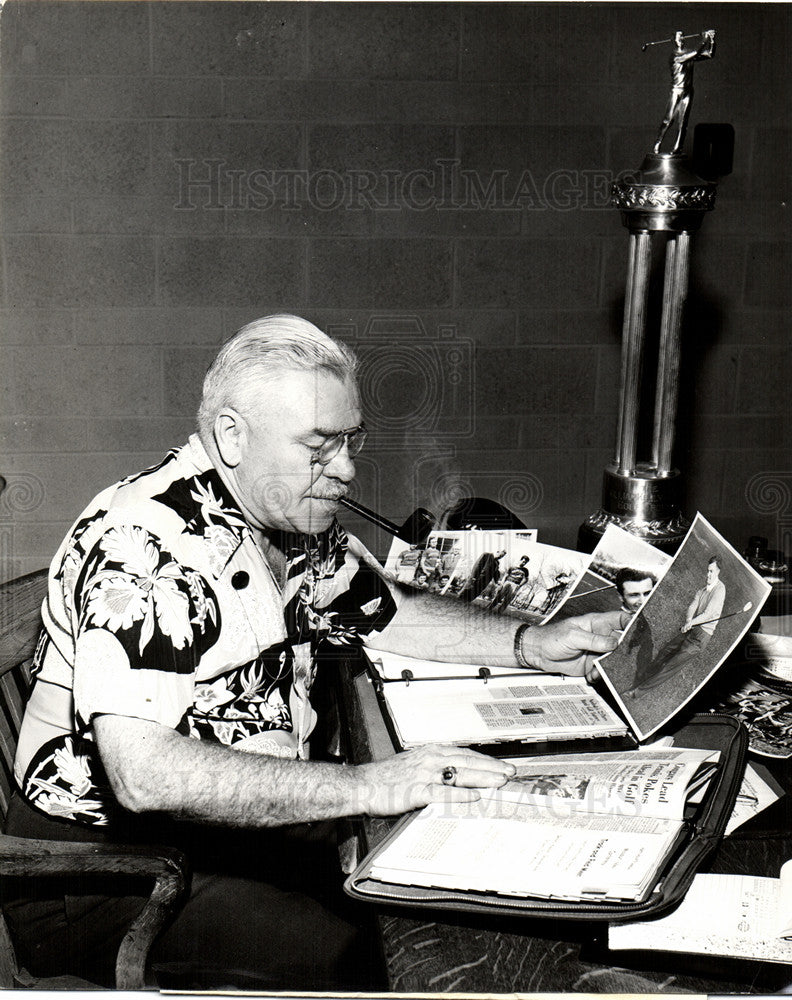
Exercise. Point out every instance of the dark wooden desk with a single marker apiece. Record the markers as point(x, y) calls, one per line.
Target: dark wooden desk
point(437, 952)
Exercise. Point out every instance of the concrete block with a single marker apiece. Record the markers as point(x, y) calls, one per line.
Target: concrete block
point(146, 215)
point(92, 381)
point(471, 327)
point(208, 164)
point(607, 379)
point(156, 327)
point(767, 327)
point(542, 164)
point(31, 156)
point(457, 103)
point(106, 158)
point(234, 40)
point(531, 43)
point(29, 434)
point(763, 383)
point(69, 271)
point(304, 218)
point(442, 222)
point(407, 149)
point(39, 39)
point(108, 39)
point(183, 373)
point(114, 39)
point(36, 326)
point(752, 478)
point(535, 380)
point(131, 433)
point(229, 271)
point(35, 214)
point(553, 327)
point(772, 150)
point(584, 431)
point(257, 99)
point(31, 96)
point(137, 97)
point(410, 273)
point(391, 41)
point(527, 273)
point(768, 279)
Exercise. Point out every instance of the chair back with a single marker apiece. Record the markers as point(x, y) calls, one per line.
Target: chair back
point(20, 624)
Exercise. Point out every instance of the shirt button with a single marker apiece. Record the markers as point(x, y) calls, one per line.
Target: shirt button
point(240, 580)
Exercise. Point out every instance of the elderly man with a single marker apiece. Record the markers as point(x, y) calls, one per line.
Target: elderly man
point(182, 629)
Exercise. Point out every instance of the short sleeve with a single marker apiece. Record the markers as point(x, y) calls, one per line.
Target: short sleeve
point(366, 606)
point(143, 623)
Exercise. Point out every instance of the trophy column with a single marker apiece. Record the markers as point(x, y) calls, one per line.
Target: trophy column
point(664, 203)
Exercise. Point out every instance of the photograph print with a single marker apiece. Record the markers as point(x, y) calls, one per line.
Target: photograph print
point(693, 619)
point(457, 563)
point(623, 571)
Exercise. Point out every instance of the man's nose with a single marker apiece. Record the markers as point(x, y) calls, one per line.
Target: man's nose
point(341, 466)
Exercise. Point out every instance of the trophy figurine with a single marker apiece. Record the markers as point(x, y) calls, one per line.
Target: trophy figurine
point(662, 204)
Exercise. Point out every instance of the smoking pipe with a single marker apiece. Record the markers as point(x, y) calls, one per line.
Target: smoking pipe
point(415, 529)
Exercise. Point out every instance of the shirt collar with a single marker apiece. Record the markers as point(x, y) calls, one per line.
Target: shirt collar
point(229, 512)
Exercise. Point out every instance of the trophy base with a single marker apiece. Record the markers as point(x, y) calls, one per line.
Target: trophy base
point(642, 503)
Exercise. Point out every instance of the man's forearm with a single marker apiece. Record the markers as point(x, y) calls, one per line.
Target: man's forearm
point(154, 769)
point(437, 628)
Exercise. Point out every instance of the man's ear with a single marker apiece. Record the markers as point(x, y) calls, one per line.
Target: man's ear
point(230, 434)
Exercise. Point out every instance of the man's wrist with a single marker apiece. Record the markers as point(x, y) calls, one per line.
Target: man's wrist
point(519, 647)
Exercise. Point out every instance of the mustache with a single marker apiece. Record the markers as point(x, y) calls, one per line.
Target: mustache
point(334, 495)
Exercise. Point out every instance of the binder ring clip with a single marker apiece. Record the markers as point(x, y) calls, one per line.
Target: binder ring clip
point(449, 775)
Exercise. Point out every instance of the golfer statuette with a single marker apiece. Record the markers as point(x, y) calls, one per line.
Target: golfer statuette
point(662, 204)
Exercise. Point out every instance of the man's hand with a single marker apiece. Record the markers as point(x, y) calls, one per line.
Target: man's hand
point(413, 779)
point(571, 646)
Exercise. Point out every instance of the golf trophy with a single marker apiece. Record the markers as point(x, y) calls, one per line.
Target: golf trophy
point(661, 205)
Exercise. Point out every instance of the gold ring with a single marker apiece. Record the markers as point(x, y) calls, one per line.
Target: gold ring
point(449, 775)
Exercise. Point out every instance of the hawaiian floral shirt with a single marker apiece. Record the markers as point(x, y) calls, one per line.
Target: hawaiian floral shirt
point(162, 607)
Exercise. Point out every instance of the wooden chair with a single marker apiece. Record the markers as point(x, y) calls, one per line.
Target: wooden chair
point(20, 622)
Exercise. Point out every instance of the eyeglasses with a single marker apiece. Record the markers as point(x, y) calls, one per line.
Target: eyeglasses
point(354, 438)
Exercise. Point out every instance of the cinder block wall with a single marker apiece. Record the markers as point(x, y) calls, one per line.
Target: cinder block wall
point(429, 182)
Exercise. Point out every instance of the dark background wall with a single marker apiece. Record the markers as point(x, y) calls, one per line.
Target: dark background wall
point(490, 323)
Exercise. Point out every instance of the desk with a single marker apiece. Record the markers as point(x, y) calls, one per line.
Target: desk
point(437, 952)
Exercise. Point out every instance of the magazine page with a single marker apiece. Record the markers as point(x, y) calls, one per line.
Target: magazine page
point(616, 784)
point(534, 707)
point(504, 572)
point(758, 791)
point(692, 620)
point(738, 916)
point(521, 850)
point(622, 573)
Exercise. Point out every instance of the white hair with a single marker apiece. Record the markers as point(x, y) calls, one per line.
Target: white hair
point(257, 353)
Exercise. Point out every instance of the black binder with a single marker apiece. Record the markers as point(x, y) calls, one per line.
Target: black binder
point(703, 831)
point(498, 746)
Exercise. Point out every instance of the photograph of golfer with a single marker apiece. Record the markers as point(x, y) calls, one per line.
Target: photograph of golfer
point(623, 571)
point(690, 623)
